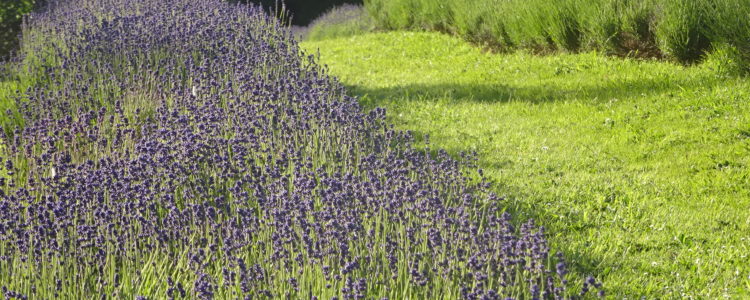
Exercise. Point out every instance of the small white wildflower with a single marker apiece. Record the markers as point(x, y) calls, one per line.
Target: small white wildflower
point(52, 172)
point(195, 91)
point(609, 122)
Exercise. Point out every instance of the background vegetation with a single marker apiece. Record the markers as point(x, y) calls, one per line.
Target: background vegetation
point(11, 14)
point(682, 30)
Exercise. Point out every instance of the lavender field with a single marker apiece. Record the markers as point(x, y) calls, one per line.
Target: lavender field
point(180, 149)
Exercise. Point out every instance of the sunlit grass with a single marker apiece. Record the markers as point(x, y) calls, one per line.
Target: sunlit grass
point(639, 169)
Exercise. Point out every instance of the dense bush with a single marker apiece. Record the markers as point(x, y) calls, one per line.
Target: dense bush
point(684, 30)
point(185, 149)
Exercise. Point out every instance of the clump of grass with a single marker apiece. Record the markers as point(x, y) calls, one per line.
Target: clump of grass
point(729, 29)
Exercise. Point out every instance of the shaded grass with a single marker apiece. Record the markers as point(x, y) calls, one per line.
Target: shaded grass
point(639, 169)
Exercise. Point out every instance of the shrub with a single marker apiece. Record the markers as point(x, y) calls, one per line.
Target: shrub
point(682, 30)
point(341, 21)
point(730, 31)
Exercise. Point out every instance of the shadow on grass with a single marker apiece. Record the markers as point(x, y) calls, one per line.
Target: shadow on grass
point(523, 211)
point(548, 91)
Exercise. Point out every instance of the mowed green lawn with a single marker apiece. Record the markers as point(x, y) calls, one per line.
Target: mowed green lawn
point(640, 170)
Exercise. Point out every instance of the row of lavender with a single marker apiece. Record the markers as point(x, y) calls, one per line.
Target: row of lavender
point(186, 149)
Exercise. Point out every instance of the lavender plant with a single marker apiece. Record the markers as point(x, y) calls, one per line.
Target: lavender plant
point(188, 150)
point(341, 21)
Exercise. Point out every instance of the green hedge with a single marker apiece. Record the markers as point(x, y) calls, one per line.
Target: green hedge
point(683, 30)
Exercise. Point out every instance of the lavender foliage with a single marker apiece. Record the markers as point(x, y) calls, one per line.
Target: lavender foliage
point(180, 149)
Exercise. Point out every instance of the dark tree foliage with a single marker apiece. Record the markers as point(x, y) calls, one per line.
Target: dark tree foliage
point(11, 16)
